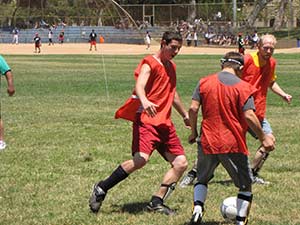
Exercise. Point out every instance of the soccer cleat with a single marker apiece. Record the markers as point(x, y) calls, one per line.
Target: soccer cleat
point(197, 215)
point(259, 180)
point(160, 208)
point(187, 180)
point(2, 145)
point(242, 222)
point(96, 199)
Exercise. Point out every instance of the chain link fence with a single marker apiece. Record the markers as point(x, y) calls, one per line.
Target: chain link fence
point(151, 15)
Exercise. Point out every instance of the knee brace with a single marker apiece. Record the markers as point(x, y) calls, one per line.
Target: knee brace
point(170, 189)
point(260, 161)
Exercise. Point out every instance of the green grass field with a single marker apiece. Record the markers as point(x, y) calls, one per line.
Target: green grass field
point(62, 138)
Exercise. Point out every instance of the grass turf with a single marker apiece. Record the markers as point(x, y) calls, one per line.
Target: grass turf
point(62, 138)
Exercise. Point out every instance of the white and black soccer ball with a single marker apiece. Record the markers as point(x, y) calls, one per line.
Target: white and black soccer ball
point(228, 208)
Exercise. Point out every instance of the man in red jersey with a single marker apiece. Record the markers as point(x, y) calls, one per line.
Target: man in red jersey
point(227, 109)
point(259, 71)
point(150, 110)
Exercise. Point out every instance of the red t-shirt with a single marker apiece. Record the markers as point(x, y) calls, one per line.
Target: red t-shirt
point(260, 76)
point(160, 89)
point(223, 128)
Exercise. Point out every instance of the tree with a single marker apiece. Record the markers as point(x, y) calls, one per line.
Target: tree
point(99, 6)
point(280, 15)
point(192, 11)
point(259, 5)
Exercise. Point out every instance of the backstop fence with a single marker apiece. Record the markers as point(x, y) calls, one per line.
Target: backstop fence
point(146, 15)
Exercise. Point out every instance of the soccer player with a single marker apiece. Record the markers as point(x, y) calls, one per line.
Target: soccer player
point(6, 71)
point(50, 37)
point(93, 37)
point(15, 39)
point(148, 39)
point(241, 44)
point(259, 71)
point(150, 110)
point(37, 43)
point(227, 109)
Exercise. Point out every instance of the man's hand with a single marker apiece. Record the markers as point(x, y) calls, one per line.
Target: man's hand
point(150, 108)
point(187, 123)
point(287, 98)
point(268, 143)
point(11, 90)
point(192, 138)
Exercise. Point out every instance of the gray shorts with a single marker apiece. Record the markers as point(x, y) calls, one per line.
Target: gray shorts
point(236, 164)
point(265, 126)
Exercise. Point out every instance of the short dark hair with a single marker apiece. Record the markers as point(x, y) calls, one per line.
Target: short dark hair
point(168, 36)
point(233, 60)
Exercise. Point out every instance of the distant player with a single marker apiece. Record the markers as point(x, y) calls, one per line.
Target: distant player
point(93, 40)
point(15, 33)
point(148, 40)
point(50, 37)
point(241, 44)
point(37, 43)
point(61, 37)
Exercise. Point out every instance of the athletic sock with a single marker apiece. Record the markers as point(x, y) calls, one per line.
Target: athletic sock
point(244, 200)
point(200, 192)
point(116, 177)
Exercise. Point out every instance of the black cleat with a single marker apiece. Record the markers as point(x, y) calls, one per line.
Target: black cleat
point(96, 199)
point(160, 208)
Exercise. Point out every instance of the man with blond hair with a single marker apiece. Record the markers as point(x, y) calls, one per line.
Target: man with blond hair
point(259, 70)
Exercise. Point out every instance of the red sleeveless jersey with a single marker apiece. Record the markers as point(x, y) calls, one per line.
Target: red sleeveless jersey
point(260, 76)
point(223, 128)
point(160, 89)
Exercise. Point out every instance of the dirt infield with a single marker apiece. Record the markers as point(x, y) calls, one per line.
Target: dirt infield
point(114, 49)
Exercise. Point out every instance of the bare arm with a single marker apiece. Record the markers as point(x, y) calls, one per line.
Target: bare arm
point(277, 90)
point(193, 116)
point(10, 83)
point(177, 103)
point(254, 124)
point(140, 85)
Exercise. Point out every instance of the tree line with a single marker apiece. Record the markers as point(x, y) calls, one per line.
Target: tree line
point(15, 10)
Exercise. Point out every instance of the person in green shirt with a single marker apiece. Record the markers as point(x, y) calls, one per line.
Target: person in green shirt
point(5, 71)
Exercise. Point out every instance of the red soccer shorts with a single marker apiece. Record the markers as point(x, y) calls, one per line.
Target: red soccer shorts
point(146, 138)
point(93, 42)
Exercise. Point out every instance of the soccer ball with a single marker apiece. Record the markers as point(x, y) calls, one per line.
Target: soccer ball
point(228, 208)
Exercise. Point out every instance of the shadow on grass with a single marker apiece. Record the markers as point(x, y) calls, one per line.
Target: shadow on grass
point(133, 208)
point(210, 223)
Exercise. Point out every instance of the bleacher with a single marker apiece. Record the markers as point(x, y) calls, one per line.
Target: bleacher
point(80, 34)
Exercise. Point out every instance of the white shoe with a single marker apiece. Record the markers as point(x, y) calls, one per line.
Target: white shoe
point(187, 180)
point(197, 215)
point(259, 180)
point(2, 145)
